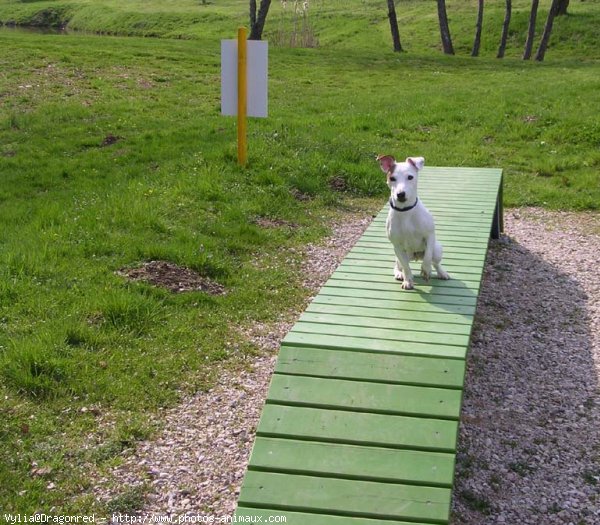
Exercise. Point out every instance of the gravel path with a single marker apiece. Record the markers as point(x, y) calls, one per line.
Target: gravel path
point(529, 446)
point(530, 436)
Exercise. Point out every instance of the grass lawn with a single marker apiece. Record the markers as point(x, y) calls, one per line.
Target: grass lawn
point(113, 153)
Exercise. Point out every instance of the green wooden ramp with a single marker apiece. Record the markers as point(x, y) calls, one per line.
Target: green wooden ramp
point(361, 419)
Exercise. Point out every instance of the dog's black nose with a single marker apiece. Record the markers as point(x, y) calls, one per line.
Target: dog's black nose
point(401, 196)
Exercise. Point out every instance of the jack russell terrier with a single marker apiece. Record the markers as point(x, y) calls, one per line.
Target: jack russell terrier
point(410, 227)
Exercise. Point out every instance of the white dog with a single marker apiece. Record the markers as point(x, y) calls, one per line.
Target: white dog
point(410, 227)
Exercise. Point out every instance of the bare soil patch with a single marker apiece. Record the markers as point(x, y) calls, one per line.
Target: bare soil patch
point(174, 278)
point(267, 222)
point(109, 140)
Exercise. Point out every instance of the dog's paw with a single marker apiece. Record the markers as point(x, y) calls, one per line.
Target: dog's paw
point(426, 274)
point(398, 275)
point(443, 275)
point(408, 285)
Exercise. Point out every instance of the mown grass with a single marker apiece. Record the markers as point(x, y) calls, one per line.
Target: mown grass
point(85, 355)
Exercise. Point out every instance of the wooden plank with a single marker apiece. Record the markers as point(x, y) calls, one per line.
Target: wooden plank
point(431, 288)
point(386, 368)
point(363, 396)
point(412, 467)
point(456, 216)
point(474, 271)
point(255, 515)
point(451, 225)
point(444, 172)
point(358, 428)
point(367, 275)
point(455, 242)
point(457, 273)
point(393, 322)
point(437, 322)
point(345, 300)
point(463, 250)
point(465, 193)
point(349, 497)
point(421, 294)
point(390, 258)
point(479, 238)
point(450, 229)
point(337, 342)
point(391, 334)
point(388, 251)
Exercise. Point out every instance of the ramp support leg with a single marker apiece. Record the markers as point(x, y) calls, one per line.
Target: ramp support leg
point(498, 221)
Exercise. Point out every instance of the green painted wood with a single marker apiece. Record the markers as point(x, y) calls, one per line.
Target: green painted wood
point(408, 322)
point(382, 242)
point(445, 234)
point(452, 249)
point(368, 275)
point(475, 251)
point(362, 366)
point(254, 515)
point(435, 321)
point(362, 396)
point(447, 229)
point(349, 497)
point(360, 344)
point(390, 259)
point(395, 303)
point(442, 224)
point(379, 235)
point(387, 334)
point(463, 195)
point(358, 428)
point(420, 294)
point(361, 420)
point(388, 251)
point(461, 274)
point(412, 467)
point(431, 288)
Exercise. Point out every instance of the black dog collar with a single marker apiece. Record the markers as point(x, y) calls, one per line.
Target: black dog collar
point(403, 209)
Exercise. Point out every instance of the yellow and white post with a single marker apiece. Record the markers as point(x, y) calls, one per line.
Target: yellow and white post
point(244, 84)
point(242, 93)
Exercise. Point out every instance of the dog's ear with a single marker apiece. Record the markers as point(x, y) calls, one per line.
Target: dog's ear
point(417, 162)
point(387, 163)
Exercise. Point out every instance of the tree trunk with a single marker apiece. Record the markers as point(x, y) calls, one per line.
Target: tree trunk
point(531, 30)
point(505, 25)
point(394, 25)
point(479, 26)
point(562, 7)
point(444, 28)
point(256, 28)
point(252, 13)
point(541, 52)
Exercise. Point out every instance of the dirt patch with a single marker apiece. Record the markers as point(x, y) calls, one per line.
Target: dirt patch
point(300, 195)
point(266, 222)
point(174, 278)
point(109, 140)
point(338, 183)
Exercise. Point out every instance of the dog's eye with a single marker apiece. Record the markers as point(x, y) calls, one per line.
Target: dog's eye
point(410, 177)
point(392, 179)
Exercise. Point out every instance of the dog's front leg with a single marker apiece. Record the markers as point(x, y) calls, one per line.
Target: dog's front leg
point(428, 257)
point(404, 262)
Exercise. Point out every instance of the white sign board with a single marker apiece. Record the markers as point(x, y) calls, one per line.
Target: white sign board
point(257, 78)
